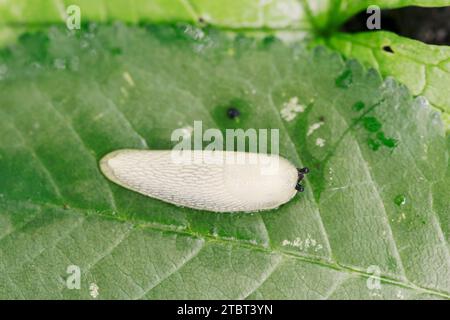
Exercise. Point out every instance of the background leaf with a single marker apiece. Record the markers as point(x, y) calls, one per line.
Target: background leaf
point(376, 195)
point(322, 15)
point(424, 69)
point(330, 14)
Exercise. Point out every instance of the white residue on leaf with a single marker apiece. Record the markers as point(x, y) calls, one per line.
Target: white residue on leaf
point(314, 127)
point(194, 32)
point(320, 142)
point(128, 78)
point(400, 295)
point(93, 290)
point(303, 244)
point(401, 217)
point(374, 293)
point(291, 109)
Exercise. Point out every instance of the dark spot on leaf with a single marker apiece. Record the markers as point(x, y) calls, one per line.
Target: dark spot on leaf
point(373, 144)
point(233, 113)
point(322, 118)
point(371, 124)
point(345, 79)
point(388, 49)
point(36, 44)
point(388, 142)
point(358, 106)
point(6, 53)
point(269, 40)
point(116, 51)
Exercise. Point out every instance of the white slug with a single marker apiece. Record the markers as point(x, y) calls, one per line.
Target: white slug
point(208, 184)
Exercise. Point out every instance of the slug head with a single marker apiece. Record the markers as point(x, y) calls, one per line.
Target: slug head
point(301, 176)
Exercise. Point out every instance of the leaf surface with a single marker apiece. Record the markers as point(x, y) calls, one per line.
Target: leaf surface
point(375, 199)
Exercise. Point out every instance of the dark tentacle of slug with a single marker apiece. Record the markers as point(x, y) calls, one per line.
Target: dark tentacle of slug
point(301, 176)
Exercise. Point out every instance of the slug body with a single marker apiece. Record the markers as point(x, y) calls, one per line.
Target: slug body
point(218, 186)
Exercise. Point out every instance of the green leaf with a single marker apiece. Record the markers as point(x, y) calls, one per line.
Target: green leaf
point(312, 15)
point(416, 68)
point(330, 14)
point(225, 13)
point(375, 198)
point(424, 69)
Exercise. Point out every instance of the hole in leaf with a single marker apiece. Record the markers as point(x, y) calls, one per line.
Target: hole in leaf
point(388, 49)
